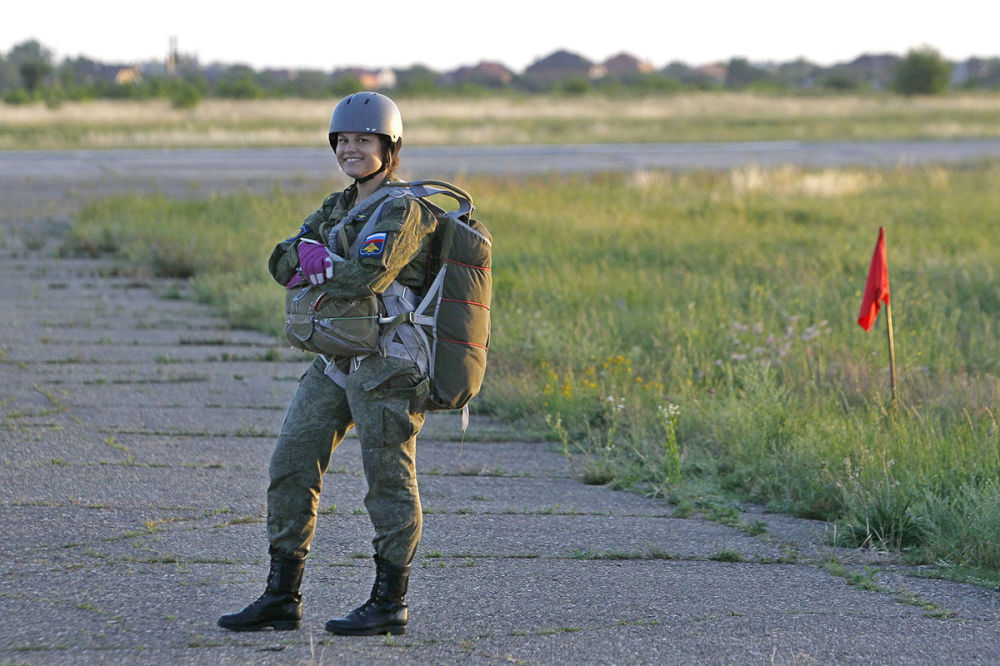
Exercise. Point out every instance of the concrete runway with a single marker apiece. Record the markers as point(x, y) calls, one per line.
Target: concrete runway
point(254, 164)
point(133, 456)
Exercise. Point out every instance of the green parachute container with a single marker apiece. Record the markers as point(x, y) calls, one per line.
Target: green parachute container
point(455, 309)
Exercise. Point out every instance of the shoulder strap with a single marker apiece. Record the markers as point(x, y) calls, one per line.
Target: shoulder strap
point(367, 202)
point(428, 188)
point(337, 240)
point(461, 215)
point(386, 194)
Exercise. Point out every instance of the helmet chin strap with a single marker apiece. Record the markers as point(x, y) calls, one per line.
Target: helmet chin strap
point(389, 153)
point(365, 179)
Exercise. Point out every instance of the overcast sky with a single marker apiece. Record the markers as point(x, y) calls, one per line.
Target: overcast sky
point(446, 34)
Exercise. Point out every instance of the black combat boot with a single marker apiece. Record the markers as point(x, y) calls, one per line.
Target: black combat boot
point(280, 607)
point(385, 612)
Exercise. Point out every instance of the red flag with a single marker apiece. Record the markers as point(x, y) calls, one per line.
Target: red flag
point(877, 286)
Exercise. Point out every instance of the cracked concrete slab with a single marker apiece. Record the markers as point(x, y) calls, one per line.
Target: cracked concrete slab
point(538, 611)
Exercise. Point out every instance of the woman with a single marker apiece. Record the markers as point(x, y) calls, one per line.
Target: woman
point(381, 395)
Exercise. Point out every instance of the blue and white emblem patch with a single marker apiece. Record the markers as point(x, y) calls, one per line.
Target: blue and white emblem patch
point(373, 245)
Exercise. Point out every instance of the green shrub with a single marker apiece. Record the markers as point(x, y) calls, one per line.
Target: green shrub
point(922, 72)
point(18, 96)
point(185, 96)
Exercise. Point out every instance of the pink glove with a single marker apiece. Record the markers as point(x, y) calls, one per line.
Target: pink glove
point(296, 280)
point(315, 262)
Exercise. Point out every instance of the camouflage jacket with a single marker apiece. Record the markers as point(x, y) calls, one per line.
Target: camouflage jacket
point(396, 249)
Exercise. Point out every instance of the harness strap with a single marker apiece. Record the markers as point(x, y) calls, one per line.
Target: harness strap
point(416, 343)
point(337, 238)
point(368, 228)
point(399, 336)
point(367, 202)
point(338, 376)
point(422, 189)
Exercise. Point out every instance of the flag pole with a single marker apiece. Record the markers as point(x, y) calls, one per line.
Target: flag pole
point(892, 353)
point(877, 292)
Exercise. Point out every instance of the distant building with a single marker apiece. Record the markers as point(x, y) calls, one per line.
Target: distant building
point(490, 74)
point(798, 73)
point(980, 72)
point(712, 73)
point(559, 66)
point(621, 65)
point(282, 75)
point(383, 79)
point(127, 75)
point(172, 56)
point(875, 71)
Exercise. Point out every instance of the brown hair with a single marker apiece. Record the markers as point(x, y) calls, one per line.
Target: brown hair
point(390, 155)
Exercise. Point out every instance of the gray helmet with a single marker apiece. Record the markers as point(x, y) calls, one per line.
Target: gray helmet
point(368, 112)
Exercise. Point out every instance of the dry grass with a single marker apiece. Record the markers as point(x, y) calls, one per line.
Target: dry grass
point(507, 119)
point(194, 138)
point(155, 112)
point(789, 181)
point(692, 105)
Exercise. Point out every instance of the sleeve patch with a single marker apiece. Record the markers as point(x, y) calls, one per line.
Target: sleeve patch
point(373, 245)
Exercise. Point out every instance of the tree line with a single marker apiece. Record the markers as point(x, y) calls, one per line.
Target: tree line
point(29, 73)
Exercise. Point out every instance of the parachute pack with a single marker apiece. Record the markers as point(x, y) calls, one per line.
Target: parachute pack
point(459, 296)
point(451, 323)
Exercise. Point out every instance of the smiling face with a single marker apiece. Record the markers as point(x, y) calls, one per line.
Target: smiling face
point(359, 154)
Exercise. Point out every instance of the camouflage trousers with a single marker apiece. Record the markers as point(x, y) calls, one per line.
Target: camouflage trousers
point(383, 399)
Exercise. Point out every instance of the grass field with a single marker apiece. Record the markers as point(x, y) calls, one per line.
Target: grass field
point(697, 338)
point(505, 119)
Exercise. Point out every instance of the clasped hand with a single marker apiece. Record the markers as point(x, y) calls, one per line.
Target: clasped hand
point(315, 261)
